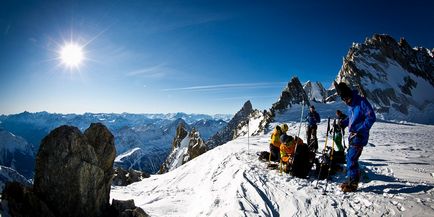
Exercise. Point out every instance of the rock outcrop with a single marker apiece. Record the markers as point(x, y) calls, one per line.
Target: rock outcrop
point(185, 147)
point(73, 176)
point(124, 177)
point(126, 208)
point(397, 79)
point(293, 93)
point(85, 163)
point(229, 132)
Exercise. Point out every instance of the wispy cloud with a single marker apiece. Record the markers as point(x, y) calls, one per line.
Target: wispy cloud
point(155, 71)
point(229, 86)
point(245, 98)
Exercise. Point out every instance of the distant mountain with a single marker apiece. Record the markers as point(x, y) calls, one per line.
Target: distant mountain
point(208, 128)
point(143, 140)
point(8, 174)
point(185, 147)
point(315, 91)
point(229, 131)
point(397, 79)
point(16, 153)
point(292, 94)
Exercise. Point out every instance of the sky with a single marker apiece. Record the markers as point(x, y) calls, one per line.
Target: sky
point(184, 56)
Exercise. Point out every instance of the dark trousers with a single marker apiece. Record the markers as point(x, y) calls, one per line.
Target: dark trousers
point(274, 153)
point(311, 134)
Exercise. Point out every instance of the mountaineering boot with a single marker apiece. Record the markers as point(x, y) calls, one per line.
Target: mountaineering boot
point(349, 185)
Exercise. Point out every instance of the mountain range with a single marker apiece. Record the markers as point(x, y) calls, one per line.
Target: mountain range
point(397, 79)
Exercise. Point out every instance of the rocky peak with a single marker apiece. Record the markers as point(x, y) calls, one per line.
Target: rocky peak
point(185, 147)
point(293, 93)
point(229, 132)
point(315, 91)
point(394, 76)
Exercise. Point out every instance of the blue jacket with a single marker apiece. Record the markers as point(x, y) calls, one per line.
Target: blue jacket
point(312, 119)
point(360, 120)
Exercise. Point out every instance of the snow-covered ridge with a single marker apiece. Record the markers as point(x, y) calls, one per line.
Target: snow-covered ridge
point(230, 181)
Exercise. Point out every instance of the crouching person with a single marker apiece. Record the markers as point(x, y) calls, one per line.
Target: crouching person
point(287, 150)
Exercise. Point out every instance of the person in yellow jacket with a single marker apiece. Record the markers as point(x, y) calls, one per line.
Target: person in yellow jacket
point(275, 141)
point(287, 149)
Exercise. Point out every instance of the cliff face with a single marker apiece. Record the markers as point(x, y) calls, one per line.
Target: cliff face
point(185, 147)
point(397, 79)
point(293, 93)
point(229, 132)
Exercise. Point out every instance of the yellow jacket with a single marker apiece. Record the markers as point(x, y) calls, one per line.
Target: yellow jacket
point(275, 138)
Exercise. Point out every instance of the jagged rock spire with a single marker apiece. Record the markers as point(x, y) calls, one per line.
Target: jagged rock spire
point(293, 93)
point(229, 132)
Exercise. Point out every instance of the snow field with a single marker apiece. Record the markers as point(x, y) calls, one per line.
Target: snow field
point(230, 181)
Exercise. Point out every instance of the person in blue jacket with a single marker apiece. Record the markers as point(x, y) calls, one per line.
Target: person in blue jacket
point(360, 120)
point(312, 120)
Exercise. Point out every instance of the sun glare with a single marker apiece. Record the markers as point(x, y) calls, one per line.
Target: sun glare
point(71, 55)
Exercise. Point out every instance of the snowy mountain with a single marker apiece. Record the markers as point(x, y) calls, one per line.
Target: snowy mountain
point(228, 132)
point(292, 94)
point(254, 125)
point(229, 180)
point(397, 79)
point(185, 147)
point(315, 91)
point(208, 128)
point(17, 153)
point(8, 174)
point(143, 141)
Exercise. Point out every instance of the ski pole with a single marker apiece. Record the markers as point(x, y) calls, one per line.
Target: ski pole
point(343, 138)
point(248, 136)
point(280, 166)
point(298, 134)
point(323, 151)
point(331, 156)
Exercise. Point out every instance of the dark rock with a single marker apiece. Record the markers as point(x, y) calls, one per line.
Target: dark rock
point(229, 132)
point(196, 145)
point(127, 208)
point(293, 93)
point(182, 154)
point(70, 176)
point(124, 177)
point(22, 201)
point(121, 205)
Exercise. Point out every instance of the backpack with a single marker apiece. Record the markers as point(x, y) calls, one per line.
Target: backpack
point(325, 161)
point(302, 163)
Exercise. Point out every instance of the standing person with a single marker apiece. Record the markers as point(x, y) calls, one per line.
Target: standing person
point(338, 128)
point(312, 119)
point(361, 118)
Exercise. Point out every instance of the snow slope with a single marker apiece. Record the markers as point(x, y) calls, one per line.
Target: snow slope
point(398, 166)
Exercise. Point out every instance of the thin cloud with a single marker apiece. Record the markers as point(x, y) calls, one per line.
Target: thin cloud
point(245, 98)
point(229, 86)
point(156, 71)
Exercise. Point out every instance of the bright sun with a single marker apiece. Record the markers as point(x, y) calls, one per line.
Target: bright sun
point(71, 55)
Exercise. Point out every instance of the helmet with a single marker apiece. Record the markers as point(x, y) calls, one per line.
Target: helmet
point(284, 127)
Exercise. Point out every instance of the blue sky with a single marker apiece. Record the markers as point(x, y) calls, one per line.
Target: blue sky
point(185, 56)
